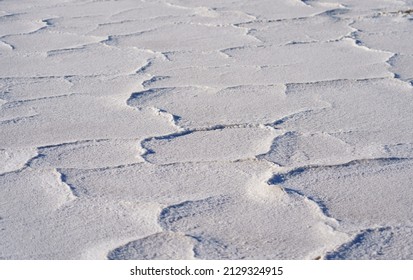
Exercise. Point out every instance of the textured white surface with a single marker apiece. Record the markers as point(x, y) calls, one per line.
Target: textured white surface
point(206, 129)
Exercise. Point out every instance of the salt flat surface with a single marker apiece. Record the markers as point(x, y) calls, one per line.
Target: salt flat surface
point(195, 129)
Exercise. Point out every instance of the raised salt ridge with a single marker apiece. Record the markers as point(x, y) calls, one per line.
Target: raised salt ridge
point(206, 129)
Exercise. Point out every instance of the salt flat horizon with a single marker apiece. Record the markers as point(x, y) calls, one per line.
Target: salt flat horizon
point(195, 129)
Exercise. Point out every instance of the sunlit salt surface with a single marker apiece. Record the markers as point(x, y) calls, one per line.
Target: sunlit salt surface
point(206, 129)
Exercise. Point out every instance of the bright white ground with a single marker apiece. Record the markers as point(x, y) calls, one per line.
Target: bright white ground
point(206, 129)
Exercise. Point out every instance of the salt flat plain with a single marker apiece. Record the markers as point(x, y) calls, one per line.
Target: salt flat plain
point(206, 129)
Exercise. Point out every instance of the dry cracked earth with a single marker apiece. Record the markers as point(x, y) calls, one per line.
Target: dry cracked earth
point(195, 129)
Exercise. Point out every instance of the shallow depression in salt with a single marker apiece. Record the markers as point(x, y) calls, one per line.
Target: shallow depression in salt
point(180, 129)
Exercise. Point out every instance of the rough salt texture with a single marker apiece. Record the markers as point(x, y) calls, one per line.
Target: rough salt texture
point(185, 129)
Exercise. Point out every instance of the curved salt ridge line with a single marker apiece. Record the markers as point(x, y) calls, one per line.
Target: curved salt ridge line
point(311, 186)
point(174, 119)
point(162, 245)
point(42, 25)
point(172, 214)
point(348, 156)
point(193, 114)
point(77, 60)
point(22, 101)
point(356, 38)
point(64, 182)
point(280, 179)
point(318, 205)
point(388, 61)
point(160, 126)
point(183, 132)
point(7, 45)
point(108, 249)
point(307, 75)
point(153, 182)
point(19, 42)
point(44, 191)
point(307, 36)
point(136, 249)
point(329, 221)
point(247, 32)
point(376, 243)
point(283, 177)
point(401, 76)
point(295, 150)
point(15, 160)
point(195, 142)
point(266, 191)
point(92, 154)
point(357, 239)
point(143, 39)
point(167, 248)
